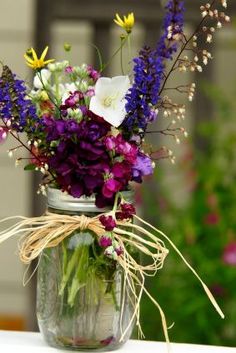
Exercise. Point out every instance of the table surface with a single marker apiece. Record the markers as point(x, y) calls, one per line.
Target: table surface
point(30, 342)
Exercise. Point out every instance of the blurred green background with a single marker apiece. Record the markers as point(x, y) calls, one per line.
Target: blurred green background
point(204, 229)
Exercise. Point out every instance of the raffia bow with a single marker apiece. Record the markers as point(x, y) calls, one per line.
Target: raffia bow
point(51, 229)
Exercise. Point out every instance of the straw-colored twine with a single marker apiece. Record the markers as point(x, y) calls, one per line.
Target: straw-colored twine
point(51, 229)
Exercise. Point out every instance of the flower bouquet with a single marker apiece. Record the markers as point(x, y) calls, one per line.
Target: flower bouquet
point(85, 134)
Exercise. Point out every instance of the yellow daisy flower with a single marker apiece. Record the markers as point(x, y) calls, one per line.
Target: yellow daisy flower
point(127, 23)
point(34, 62)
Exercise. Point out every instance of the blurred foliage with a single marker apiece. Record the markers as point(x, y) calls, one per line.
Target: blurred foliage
point(204, 230)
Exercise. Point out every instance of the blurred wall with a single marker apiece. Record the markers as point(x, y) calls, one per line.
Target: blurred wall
point(16, 33)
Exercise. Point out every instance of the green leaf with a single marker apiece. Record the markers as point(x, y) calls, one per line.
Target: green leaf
point(30, 167)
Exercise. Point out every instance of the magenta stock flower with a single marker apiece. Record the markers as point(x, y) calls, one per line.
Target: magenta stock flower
point(105, 241)
point(108, 222)
point(94, 74)
point(229, 254)
point(72, 100)
point(111, 187)
point(120, 146)
point(69, 69)
point(128, 208)
point(126, 212)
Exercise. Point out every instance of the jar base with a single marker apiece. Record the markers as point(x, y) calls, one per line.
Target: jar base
point(66, 343)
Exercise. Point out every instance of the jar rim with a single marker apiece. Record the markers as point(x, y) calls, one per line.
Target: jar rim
point(60, 200)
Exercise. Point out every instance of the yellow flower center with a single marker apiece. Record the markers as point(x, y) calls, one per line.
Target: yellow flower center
point(110, 101)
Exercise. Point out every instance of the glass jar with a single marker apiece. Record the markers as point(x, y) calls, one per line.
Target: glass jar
point(82, 303)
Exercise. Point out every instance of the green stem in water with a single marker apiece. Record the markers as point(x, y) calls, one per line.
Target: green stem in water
point(70, 266)
point(80, 277)
point(114, 298)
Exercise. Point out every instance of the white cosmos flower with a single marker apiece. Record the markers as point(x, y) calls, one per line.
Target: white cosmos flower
point(109, 99)
point(43, 79)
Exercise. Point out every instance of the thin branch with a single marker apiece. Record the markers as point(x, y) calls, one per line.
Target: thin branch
point(26, 147)
point(182, 50)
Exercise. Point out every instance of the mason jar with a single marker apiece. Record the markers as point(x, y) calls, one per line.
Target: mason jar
point(82, 302)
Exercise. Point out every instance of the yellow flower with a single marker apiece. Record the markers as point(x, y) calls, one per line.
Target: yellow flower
point(127, 23)
point(34, 62)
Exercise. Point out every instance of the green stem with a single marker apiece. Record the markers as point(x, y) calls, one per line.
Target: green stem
point(114, 298)
point(57, 86)
point(70, 266)
point(116, 203)
point(99, 57)
point(115, 53)
point(80, 277)
point(121, 59)
point(129, 50)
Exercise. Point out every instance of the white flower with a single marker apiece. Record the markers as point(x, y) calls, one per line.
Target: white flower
point(41, 79)
point(109, 99)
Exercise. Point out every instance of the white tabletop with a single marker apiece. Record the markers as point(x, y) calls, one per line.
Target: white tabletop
point(31, 342)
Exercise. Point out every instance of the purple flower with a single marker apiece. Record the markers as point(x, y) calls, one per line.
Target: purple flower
point(72, 126)
point(105, 241)
point(229, 254)
point(14, 101)
point(72, 100)
point(80, 159)
point(108, 222)
point(93, 73)
point(172, 28)
point(121, 170)
point(119, 250)
point(142, 167)
point(149, 69)
point(69, 69)
point(152, 116)
point(77, 190)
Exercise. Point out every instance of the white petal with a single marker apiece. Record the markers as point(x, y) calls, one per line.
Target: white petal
point(113, 89)
point(114, 117)
point(96, 107)
point(102, 87)
point(43, 79)
point(70, 87)
point(121, 81)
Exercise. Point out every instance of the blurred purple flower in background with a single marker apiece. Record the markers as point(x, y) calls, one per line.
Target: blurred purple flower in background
point(229, 254)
